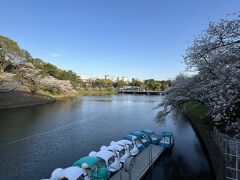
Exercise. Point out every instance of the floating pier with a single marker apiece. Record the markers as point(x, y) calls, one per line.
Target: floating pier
point(141, 92)
point(142, 163)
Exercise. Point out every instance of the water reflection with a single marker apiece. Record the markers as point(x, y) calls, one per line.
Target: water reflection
point(186, 160)
point(36, 140)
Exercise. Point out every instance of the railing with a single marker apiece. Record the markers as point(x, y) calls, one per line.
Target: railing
point(231, 149)
point(149, 159)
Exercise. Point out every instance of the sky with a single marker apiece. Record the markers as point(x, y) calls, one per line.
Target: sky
point(134, 38)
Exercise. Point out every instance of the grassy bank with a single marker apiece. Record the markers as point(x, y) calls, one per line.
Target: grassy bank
point(14, 99)
point(198, 116)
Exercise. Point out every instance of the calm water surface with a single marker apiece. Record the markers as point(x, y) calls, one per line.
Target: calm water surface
point(36, 140)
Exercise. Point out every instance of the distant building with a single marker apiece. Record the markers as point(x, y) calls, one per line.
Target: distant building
point(107, 77)
point(125, 79)
point(112, 78)
point(137, 79)
point(93, 79)
point(83, 77)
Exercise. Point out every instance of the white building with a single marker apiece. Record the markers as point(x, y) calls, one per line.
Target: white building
point(137, 79)
point(83, 77)
point(125, 79)
point(112, 78)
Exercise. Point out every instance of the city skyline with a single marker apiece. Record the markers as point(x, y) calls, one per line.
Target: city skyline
point(123, 38)
point(115, 78)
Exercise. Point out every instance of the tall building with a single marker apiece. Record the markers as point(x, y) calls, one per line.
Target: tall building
point(112, 78)
point(107, 76)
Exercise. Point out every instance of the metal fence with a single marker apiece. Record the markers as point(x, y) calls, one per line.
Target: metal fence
point(142, 163)
point(231, 149)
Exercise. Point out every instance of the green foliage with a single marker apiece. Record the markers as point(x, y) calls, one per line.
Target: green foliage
point(151, 84)
point(10, 46)
point(198, 110)
point(102, 83)
point(48, 69)
point(199, 114)
point(119, 84)
point(51, 70)
point(107, 83)
point(137, 83)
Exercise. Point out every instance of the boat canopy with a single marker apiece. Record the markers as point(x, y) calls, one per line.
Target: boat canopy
point(105, 155)
point(148, 132)
point(137, 133)
point(91, 161)
point(130, 137)
point(166, 134)
point(124, 142)
point(115, 147)
point(72, 173)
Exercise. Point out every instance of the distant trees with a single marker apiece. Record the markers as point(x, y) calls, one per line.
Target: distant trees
point(48, 69)
point(102, 83)
point(215, 58)
point(120, 84)
point(32, 72)
point(56, 86)
point(137, 83)
point(152, 84)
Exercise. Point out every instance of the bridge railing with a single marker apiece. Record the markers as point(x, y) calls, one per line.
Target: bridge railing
point(231, 149)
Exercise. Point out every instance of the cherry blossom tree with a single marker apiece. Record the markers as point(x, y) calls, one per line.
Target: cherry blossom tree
point(7, 82)
point(29, 76)
point(54, 85)
point(214, 57)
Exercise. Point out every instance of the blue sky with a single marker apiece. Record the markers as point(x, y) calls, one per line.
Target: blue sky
point(134, 38)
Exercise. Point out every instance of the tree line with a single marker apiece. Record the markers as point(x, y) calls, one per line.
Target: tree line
point(18, 68)
point(149, 84)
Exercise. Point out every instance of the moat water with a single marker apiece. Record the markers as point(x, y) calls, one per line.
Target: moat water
point(36, 140)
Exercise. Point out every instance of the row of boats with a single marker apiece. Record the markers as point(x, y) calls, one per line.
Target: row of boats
point(110, 159)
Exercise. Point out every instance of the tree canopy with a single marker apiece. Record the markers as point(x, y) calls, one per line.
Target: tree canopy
point(214, 56)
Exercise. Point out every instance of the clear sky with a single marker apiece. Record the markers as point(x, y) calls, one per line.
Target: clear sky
point(134, 38)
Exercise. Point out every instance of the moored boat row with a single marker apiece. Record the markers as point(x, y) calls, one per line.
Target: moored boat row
point(110, 159)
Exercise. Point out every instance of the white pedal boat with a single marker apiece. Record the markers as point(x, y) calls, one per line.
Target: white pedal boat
point(71, 173)
point(130, 147)
point(118, 150)
point(108, 158)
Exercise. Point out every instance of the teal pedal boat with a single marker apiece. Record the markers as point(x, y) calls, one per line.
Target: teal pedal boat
point(151, 136)
point(144, 138)
point(167, 140)
point(93, 168)
point(136, 141)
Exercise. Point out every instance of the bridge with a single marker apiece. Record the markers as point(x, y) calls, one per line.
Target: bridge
point(138, 90)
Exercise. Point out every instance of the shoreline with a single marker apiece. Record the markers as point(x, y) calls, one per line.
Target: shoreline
point(27, 105)
point(213, 152)
point(21, 99)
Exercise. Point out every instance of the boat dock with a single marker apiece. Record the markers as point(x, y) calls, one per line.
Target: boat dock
point(142, 163)
point(140, 92)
